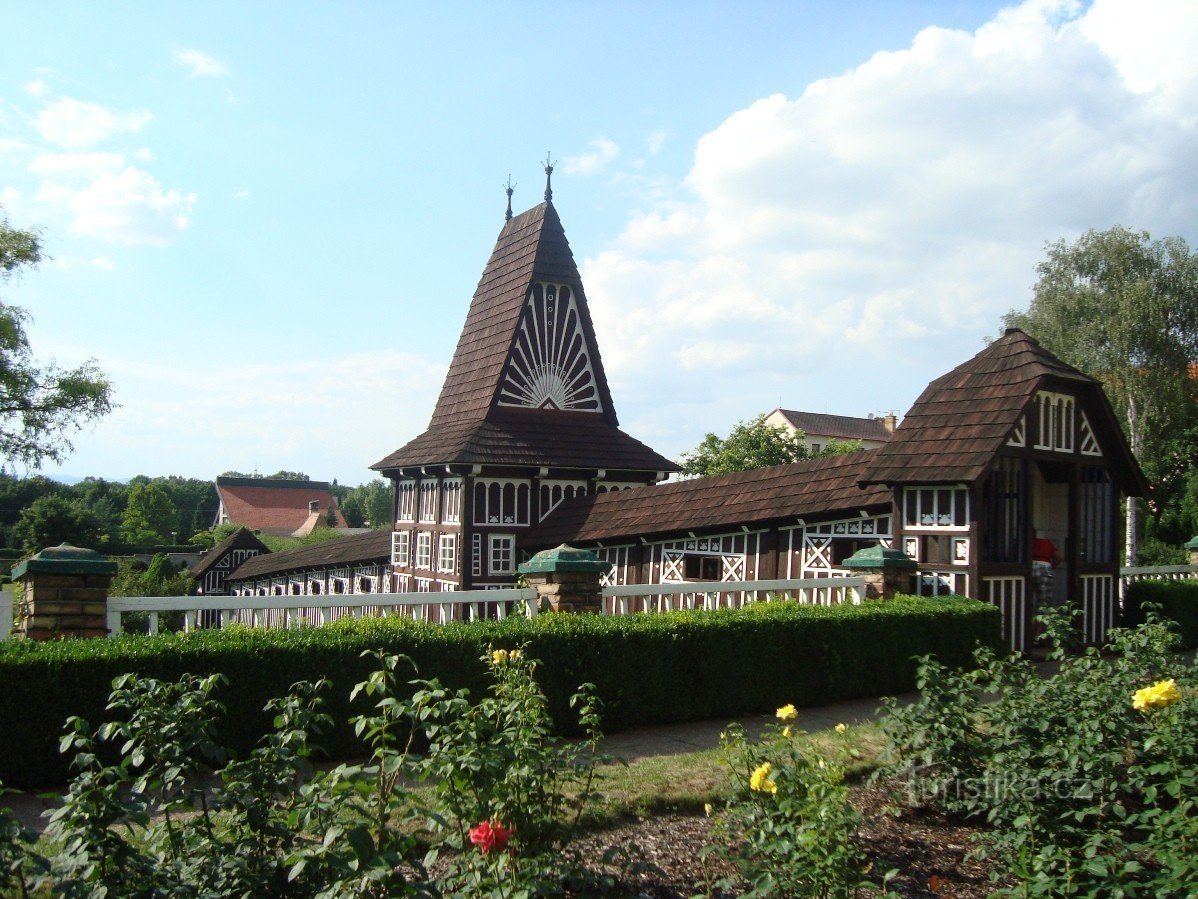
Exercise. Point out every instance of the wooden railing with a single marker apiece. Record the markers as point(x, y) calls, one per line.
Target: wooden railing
point(825, 591)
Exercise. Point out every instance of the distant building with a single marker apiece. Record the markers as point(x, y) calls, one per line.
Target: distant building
point(277, 508)
point(215, 566)
point(819, 429)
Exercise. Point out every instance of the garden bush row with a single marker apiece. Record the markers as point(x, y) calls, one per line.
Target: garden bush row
point(1178, 601)
point(647, 669)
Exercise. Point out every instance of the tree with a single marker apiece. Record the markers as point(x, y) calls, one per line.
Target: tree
point(149, 517)
point(1124, 308)
point(753, 444)
point(54, 519)
point(159, 578)
point(40, 406)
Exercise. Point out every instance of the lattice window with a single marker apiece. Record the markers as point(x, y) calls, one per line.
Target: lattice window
point(424, 549)
point(428, 500)
point(553, 492)
point(1055, 418)
point(1097, 519)
point(1089, 443)
point(476, 555)
point(400, 541)
point(935, 508)
point(1005, 503)
point(549, 366)
point(503, 554)
point(405, 492)
point(447, 553)
point(451, 500)
point(501, 502)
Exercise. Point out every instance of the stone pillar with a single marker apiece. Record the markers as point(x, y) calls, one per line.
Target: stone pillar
point(62, 591)
point(1192, 546)
point(566, 579)
point(887, 571)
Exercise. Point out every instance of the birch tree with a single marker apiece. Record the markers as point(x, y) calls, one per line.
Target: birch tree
point(1123, 308)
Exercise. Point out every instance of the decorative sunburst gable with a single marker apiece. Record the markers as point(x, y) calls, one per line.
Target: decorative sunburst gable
point(549, 365)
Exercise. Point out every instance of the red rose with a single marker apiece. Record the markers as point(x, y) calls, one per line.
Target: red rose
point(491, 836)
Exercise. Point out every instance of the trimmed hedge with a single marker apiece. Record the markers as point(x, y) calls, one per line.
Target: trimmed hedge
point(648, 669)
point(1178, 600)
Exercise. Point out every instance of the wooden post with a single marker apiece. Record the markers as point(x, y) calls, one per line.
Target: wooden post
point(566, 579)
point(63, 592)
point(886, 571)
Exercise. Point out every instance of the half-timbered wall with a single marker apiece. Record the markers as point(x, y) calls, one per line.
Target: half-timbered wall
point(936, 524)
point(724, 557)
point(817, 549)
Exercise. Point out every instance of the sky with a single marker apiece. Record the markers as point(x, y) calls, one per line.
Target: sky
point(265, 221)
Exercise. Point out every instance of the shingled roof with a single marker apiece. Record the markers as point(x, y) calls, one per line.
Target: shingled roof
point(360, 549)
point(841, 427)
point(823, 487)
point(241, 538)
point(962, 419)
point(468, 424)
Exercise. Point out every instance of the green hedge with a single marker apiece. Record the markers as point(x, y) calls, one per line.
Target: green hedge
point(649, 669)
point(1178, 600)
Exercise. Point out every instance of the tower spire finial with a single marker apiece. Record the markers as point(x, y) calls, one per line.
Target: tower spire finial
point(548, 177)
point(509, 187)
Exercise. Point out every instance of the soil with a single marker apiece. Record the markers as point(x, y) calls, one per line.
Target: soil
point(927, 850)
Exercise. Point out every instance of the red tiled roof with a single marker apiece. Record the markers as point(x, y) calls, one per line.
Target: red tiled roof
point(274, 508)
point(467, 425)
point(817, 487)
point(841, 427)
point(963, 418)
point(367, 549)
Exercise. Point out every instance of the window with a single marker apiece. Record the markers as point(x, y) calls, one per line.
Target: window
point(400, 541)
point(476, 555)
point(502, 553)
point(424, 549)
point(702, 568)
point(1055, 419)
point(1004, 529)
point(1098, 506)
point(428, 500)
point(406, 500)
point(501, 502)
point(451, 500)
point(553, 492)
point(937, 508)
point(447, 553)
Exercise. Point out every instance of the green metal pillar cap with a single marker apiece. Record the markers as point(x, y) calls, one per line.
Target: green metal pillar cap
point(879, 557)
point(64, 559)
point(564, 558)
point(1192, 544)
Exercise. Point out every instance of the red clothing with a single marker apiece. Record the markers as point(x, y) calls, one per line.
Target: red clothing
point(1043, 550)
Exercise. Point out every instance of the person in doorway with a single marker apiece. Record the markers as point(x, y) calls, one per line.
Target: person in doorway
point(1045, 557)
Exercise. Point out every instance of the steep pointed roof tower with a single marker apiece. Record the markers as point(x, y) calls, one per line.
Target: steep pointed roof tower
point(526, 385)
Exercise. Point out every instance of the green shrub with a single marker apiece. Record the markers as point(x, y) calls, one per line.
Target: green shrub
point(647, 669)
point(1078, 781)
point(1178, 601)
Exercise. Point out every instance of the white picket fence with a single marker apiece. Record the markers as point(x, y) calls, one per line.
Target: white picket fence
point(629, 599)
point(1155, 573)
point(468, 605)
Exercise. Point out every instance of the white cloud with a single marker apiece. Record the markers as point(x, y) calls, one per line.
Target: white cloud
point(78, 125)
point(76, 165)
point(37, 88)
point(144, 154)
point(126, 207)
point(241, 194)
point(200, 64)
point(865, 235)
point(655, 141)
point(600, 152)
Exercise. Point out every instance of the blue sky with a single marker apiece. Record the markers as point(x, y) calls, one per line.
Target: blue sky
point(267, 220)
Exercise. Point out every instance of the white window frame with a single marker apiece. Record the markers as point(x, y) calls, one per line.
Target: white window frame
point(424, 550)
point(428, 500)
point(1058, 415)
point(519, 513)
point(451, 500)
point(500, 546)
point(447, 553)
point(405, 498)
point(401, 542)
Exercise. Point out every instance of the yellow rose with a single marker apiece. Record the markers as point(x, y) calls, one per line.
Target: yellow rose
point(788, 712)
point(760, 781)
point(498, 657)
point(786, 731)
point(1161, 694)
point(840, 728)
point(515, 655)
